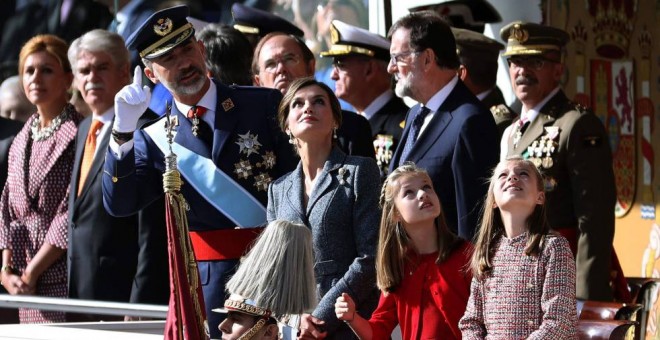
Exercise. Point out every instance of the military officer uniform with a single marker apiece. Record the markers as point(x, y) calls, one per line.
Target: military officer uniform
point(479, 55)
point(569, 144)
point(226, 161)
point(386, 113)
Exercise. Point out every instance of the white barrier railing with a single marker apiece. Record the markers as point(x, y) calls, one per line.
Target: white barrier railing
point(83, 306)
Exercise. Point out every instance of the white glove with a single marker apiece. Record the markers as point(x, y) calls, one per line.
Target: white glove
point(130, 103)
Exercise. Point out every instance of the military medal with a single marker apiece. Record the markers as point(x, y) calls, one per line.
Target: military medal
point(195, 126)
point(383, 145)
point(248, 143)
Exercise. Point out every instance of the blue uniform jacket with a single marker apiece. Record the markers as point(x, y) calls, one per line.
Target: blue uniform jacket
point(139, 172)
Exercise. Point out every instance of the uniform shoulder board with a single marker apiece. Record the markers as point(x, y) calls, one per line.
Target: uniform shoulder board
point(500, 110)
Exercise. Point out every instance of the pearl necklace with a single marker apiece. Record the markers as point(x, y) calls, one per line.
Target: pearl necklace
point(45, 133)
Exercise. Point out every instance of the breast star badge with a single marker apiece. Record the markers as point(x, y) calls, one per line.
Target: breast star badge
point(248, 143)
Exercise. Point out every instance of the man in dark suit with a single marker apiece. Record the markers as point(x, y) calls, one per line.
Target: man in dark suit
point(449, 133)
point(121, 259)
point(478, 55)
point(281, 58)
point(361, 79)
point(570, 146)
point(228, 146)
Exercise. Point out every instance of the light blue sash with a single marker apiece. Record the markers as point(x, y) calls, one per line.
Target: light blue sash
point(229, 197)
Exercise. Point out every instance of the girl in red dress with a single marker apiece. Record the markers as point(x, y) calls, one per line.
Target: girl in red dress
point(421, 266)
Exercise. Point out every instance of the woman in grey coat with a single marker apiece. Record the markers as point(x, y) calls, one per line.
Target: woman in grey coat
point(334, 194)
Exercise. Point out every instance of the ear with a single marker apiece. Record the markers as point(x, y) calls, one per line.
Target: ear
point(462, 73)
point(150, 74)
point(272, 332)
point(256, 80)
point(540, 199)
point(311, 66)
point(202, 48)
point(558, 71)
point(369, 70)
point(125, 73)
point(429, 58)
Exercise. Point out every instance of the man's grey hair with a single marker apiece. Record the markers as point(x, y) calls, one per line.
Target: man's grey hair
point(278, 272)
point(100, 40)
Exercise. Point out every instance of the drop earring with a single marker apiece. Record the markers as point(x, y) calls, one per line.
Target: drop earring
point(291, 141)
point(334, 133)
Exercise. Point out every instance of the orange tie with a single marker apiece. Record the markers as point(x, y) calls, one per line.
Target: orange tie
point(88, 153)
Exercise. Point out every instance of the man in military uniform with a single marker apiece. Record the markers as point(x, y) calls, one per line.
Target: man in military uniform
point(360, 72)
point(227, 144)
point(570, 146)
point(478, 55)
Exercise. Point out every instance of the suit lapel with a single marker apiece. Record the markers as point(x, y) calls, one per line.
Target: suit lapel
point(323, 182)
point(185, 137)
point(97, 164)
point(225, 121)
point(295, 191)
point(396, 158)
point(83, 130)
point(432, 132)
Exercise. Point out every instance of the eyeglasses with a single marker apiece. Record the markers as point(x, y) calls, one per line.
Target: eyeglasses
point(533, 63)
point(396, 58)
point(288, 60)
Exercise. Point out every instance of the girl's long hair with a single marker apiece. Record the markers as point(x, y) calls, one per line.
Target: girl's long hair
point(492, 226)
point(393, 242)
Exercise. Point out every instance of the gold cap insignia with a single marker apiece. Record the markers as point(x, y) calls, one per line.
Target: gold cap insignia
point(334, 34)
point(163, 27)
point(519, 34)
point(227, 104)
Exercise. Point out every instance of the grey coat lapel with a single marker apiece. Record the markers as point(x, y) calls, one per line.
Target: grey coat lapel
point(334, 162)
point(294, 193)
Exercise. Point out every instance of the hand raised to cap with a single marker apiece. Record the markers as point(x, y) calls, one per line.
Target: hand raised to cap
point(130, 103)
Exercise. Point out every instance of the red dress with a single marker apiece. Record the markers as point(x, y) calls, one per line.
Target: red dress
point(33, 208)
point(433, 311)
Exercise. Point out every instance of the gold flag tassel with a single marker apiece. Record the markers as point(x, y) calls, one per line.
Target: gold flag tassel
point(186, 318)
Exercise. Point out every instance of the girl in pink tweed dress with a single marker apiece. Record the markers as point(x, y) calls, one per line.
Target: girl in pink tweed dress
point(523, 284)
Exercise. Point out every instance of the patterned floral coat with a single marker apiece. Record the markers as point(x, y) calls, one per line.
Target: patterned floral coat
point(524, 297)
point(33, 207)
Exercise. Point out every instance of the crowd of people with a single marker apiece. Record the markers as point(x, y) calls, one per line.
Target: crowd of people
point(455, 218)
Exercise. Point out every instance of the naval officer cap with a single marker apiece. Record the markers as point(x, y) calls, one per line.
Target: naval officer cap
point(352, 40)
point(525, 38)
point(250, 20)
point(476, 46)
point(163, 31)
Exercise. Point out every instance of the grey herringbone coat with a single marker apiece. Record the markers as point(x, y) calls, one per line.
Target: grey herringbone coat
point(344, 217)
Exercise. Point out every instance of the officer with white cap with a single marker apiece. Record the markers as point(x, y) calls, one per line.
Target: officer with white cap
point(360, 72)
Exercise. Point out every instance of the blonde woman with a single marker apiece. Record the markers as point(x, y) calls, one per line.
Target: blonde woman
point(33, 207)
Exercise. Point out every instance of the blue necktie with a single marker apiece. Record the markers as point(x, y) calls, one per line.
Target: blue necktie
point(413, 133)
